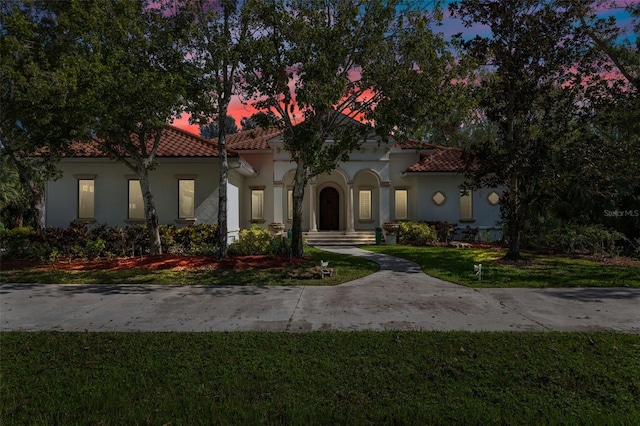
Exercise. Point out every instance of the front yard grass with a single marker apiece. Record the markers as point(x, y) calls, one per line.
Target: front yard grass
point(348, 268)
point(319, 378)
point(538, 270)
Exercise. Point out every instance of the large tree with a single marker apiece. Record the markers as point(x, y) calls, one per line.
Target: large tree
point(42, 102)
point(325, 68)
point(602, 163)
point(611, 39)
point(133, 66)
point(212, 130)
point(219, 32)
point(531, 96)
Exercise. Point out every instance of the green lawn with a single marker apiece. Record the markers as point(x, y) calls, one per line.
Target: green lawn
point(456, 265)
point(319, 378)
point(348, 268)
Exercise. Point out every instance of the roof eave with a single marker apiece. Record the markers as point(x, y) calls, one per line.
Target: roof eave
point(243, 167)
point(441, 172)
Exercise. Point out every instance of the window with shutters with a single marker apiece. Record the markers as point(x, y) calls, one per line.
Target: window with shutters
point(257, 205)
point(136, 203)
point(86, 198)
point(466, 204)
point(364, 197)
point(402, 199)
point(186, 198)
point(290, 204)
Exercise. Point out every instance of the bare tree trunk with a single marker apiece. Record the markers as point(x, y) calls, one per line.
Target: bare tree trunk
point(222, 186)
point(150, 214)
point(514, 222)
point(514, 242)
point(299, 183)
point(38, 208)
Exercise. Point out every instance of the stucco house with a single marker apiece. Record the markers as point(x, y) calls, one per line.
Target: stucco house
point(381, 182)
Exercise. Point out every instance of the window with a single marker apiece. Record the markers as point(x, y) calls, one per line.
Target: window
point(493, 198)
point(186, 198)
point(438, 198)
point(86, 198)
point(466, 204)
point(290, 204)
point(364, 197)
point(136, 204)
point(257, 205)
point(401, 204)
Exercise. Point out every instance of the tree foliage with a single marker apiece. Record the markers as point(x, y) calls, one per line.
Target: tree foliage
point(42, 98)
point(218, 37)
point(259, 119)
point(329, 70)
point(600, 179)
point(132, 64)
point(212, 130)
point(530, 96)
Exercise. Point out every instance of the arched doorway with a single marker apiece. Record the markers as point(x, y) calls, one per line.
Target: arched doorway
point(329, 209)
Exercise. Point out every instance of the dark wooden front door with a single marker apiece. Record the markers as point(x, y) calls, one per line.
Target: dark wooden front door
point(329, 209)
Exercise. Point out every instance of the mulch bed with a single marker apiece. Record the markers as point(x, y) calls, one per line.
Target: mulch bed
point(160, 262)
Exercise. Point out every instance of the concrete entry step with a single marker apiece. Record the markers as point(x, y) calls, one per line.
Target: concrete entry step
point(340, 238)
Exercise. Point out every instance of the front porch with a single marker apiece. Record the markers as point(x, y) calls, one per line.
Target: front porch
point(336, 203)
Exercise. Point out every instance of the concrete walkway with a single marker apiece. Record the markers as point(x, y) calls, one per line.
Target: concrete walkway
point(399, 297)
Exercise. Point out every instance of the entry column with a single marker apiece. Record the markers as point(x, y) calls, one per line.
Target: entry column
point(350, 219)
point(313, 223)
point(384, 202)
point(278, 189)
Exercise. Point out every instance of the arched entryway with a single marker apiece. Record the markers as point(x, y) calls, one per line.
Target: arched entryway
point(329, 209)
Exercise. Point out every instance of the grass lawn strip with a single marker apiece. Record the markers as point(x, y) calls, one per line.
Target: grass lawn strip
point(456, 265)
point(348, 268)
point(319, 378)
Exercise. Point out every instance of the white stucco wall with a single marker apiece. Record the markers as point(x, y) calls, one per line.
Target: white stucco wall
point(485, 215)
point(111, 190)
point(374, 167)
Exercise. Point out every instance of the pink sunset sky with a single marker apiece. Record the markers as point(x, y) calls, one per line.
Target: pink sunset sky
point(449, 27)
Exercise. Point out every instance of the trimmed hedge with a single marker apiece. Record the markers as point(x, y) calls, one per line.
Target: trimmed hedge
point(257, 241)
point(90, 242)
point(569, 238)
point(416, 234)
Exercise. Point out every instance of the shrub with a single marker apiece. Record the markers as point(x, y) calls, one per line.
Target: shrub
point(416, 234)
point(256, 240)
point(168, 239)
point(113, 237)
point(22, 243)
point(94, 249)
point(82, 241)
point(204, 239)
point(571, 238)
point(444, 230)
point(470, 233)
point(137, 239)
point(193, 239)
point(635, 245)
point(279, 244)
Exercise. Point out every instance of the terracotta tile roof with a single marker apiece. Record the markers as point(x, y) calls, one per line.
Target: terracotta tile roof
point(174, 142)
point(254, 139)
point(441, 159)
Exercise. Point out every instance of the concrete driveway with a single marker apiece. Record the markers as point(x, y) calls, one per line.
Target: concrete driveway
point(397, 297)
